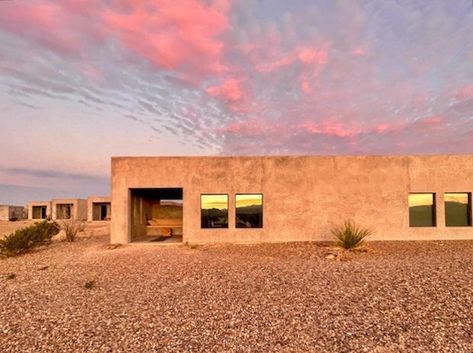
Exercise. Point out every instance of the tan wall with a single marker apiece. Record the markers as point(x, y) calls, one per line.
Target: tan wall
point(30, 205)
point(8, 213)
point(4, 213)
point(303, 196)
point(90, 205)
point(79, 209)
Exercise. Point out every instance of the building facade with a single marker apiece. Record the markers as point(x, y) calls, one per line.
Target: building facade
point(99, 208)
point(11, 213)
point(69, 209)
point(39, 210)
point(295, 198)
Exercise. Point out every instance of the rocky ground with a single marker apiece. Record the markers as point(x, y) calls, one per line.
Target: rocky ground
point(399, 297)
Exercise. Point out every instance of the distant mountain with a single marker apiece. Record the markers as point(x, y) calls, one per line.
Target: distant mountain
point(252, 209)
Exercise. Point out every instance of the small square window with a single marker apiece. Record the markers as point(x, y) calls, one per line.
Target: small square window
point(422, 210)
point(457, 209)
point(249, 210)
point(214, 211)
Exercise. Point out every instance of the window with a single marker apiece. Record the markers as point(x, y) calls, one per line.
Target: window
point(249, 210)
point(214, 211)
point(457, 209)
point(422, 210)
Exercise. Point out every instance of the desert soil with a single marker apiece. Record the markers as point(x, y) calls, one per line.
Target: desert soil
point(399, 297)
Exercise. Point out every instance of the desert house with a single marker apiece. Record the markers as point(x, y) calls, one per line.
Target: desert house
point(295, 198)
point(99, 208)
point(11, 213)
point(39, 210)
point(72, 208)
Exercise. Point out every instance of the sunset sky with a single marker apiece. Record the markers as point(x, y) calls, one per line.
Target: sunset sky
point(84, 80)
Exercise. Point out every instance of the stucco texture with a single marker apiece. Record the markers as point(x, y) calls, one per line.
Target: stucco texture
point(303, 197)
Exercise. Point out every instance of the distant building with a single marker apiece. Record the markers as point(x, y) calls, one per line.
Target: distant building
point(69, 209)
point(11, 213)
point(99, 208)
point(39, 210)
point(296, 198)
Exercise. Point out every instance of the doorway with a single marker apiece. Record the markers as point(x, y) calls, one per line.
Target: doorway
point(64, 211)
point(156, 215)
point(101, 211)
point(39, 212)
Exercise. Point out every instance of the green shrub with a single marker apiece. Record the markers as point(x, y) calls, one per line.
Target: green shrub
point(349, 235)
point(25, 239)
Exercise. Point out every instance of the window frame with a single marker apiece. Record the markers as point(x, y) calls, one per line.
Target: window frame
point(262, 209)
point(228, 209)
point(469, 209)
point(434, 209)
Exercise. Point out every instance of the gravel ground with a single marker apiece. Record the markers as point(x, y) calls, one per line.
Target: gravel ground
point(398, 297)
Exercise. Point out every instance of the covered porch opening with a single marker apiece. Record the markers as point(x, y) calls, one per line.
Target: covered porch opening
point(64, 210)
point(39, 212)
point(101, 211)
point(156, 215)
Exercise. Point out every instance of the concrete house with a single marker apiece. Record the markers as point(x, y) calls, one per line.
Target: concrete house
point(99, 208)
point(11, 213)
point(39, 209)
point(278, 199)
point(69, 209)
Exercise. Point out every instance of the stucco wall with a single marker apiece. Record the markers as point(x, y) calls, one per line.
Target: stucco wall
point(79, 210)
point(303, 196)
point(4, 213)
point(30, 205)
point(90, 205)
point(8, 213)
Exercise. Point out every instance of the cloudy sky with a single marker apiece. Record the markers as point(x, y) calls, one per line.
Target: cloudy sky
point(84, 80)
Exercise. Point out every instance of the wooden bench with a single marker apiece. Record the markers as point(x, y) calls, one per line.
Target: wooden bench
point(163, 227)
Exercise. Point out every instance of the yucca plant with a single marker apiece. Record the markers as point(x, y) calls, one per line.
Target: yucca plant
point(349, 235)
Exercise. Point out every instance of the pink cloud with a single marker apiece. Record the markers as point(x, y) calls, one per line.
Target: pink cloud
point(390, 127)
point(248, 128)
point(44, 23)
point(230, 90)
point(431, 121)
point(359, 51)
point(170, 34)
point(305, 85)
point(304, 54)
point(330, 128)
point(465, 92)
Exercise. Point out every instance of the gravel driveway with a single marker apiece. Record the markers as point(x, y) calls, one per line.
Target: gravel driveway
point(399, 297)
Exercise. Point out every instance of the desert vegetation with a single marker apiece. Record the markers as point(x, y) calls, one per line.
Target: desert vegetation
point(350, 235)
point(25, 239)
point(71, 228)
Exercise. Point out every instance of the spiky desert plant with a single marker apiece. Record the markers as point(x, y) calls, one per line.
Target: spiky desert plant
point(349, 235)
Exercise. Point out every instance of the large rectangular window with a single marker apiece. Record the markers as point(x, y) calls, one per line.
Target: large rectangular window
point(457, 209)
point(214, 211)
point(249, 210)
point(422, 210)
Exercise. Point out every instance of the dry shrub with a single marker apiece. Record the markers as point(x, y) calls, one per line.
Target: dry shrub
point(71, 228)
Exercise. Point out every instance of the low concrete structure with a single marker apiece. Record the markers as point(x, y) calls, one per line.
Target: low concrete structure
point(11, 213)
point(99, 208)
point(301, 198)
point(39, 209)
point(69, 209)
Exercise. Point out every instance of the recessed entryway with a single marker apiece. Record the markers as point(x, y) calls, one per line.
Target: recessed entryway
point(156, 215)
